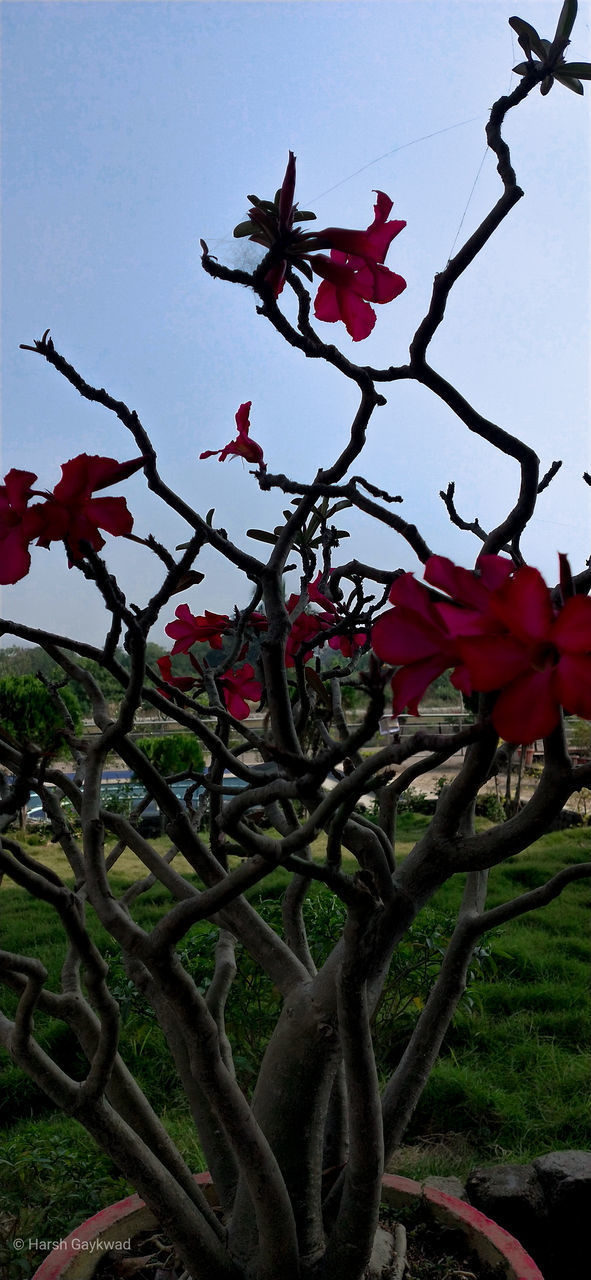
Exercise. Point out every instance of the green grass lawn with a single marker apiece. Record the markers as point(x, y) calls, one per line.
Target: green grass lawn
point(510, 1083)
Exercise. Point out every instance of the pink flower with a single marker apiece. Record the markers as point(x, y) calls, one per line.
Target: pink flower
point(422, 637)
point(18, 525)
point(307, 625)
point(258, 621)
point(237, 687)
point(188, 630)
point(315, 596)
point(372, 244)
point(242, 446)
point(353, 276)
point(73, 515)
point(540, 659)
point(305, 628)
point(348, 645)
point(501, 633)
point(179, 682)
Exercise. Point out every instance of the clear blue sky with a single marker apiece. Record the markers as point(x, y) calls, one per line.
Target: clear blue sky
point(133, 129)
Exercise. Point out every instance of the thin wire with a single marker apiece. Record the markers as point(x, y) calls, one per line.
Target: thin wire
point(468, 202)
point(480, 165)
point(386, 154)
point(220, 240)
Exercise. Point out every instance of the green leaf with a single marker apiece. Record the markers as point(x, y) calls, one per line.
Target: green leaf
point(305, 269)
point(254, 200)
point(569, 82)
point(313, 679)
point(521, 69)
point(261, 535)
point(209, 516)
point(339, 506)
point(190, 579)
point(580, 69)
point(528, 37)
point(566, 20)
point(269, 205)
point(304, 215)
point(245, 229)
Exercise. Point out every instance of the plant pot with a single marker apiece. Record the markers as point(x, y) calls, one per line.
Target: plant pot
point(77, 1256)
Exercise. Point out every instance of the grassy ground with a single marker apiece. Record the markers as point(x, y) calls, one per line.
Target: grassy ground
point(510, 1083)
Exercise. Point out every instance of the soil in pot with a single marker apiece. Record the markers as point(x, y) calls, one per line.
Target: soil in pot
point(433, 1253)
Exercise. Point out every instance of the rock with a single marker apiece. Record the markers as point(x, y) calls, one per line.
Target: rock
point(513, 1196)
point(565, 1178)
point(388, 1258)
point(451, 1186)
point(566, 818)
point(545, 1205)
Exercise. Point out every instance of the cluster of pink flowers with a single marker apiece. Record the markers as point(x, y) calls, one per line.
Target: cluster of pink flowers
point(68, 514)
point(500, 632)
point(240, 685)
point(237, 685)
point(353, 276)
point(307, 626)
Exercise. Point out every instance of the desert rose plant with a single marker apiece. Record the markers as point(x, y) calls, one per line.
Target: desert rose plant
point(297, 1162)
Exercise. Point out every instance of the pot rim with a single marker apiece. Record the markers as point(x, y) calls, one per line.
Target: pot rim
point(491, 1242)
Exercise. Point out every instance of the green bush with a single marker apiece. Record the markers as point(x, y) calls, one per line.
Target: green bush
point(253, 1002)
point(173, 752)
point(27, 710)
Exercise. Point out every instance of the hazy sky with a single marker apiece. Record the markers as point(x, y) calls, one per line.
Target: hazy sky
point(133, 129)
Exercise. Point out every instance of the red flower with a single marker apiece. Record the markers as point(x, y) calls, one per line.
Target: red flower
point(372, 244)
point(73, 515)
point(18, 525)
point(501, 633)
point(207, 628)
point(258, 621)
point(348, 645)
point(540, 659)
point(242, 446)
point(423, 637)
point(307, 625)
point(305, 628)
point(315, 596)
point(237, 687)
point(354, 275)
point(180, 682)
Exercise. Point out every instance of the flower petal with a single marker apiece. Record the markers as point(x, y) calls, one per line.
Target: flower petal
point(492, 661)
point(15, 560)
point(410, 683)
point(523, 604)
point(399, 637)
point(571, 631)
point(573, 684)
point(528, 708)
